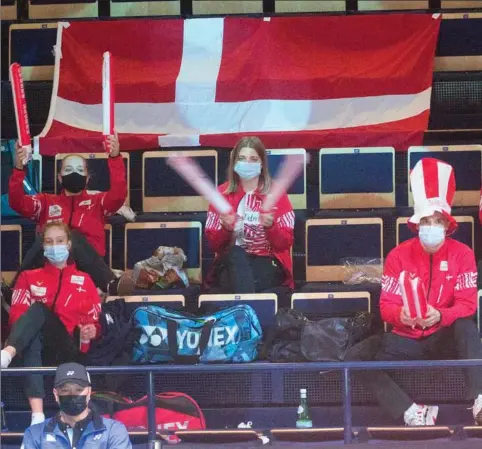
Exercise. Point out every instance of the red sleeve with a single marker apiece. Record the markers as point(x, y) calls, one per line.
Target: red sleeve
point(92, 307)
point(115, 197)
point(391, 298)
point(21, 299)
point(280, 233)
point(465, 293)
point(29, 206)
point(218, 238)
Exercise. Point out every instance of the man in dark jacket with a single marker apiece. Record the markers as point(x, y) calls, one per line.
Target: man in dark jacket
point(75, 426)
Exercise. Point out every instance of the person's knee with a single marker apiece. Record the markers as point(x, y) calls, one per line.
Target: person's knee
point(236, 253)
point(464, 325)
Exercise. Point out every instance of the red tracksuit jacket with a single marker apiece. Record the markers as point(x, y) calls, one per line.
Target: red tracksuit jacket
point(275, 241)
point(449, 277)
point(70, 293)
point(84, 212)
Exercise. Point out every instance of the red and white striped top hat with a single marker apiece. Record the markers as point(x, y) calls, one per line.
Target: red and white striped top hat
point(433, 190)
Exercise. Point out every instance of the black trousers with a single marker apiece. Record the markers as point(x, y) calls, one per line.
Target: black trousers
point(240, 272)
point(41, 339)
point(459, 341)
point(84, 255)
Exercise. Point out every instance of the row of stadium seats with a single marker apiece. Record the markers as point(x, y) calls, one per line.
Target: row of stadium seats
point(56, 9)
point(459, 48)
point(326, 243)
point(350, 178)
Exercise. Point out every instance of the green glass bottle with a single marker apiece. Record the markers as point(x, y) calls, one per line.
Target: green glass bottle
point(304, 419)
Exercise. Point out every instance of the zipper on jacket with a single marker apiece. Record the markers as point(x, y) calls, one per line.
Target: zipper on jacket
point(429, 287)
point(429, 279)
point(58, 290)
point(71, 210)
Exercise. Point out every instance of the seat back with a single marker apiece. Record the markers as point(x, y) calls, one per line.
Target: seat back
point(99, 177)
point(264, 304)
point(142, 239)
point(352, 178)
point(289, 6)
point(297, 192)
point(466, 161)
point(133, 8)
point(60, 9)
point(328, 241)
point(31, 46)
point(11, 258)
point(9, 10)
point(208, 7)
point(175, 302)
point(460, 41)
point(381, 5)
point(332, 303)
point(163, 190)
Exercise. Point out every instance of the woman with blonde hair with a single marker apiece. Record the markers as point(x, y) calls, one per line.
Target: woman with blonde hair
point(252, 246)
point(54, 314)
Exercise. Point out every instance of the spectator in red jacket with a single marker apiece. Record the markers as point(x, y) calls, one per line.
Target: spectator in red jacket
point(84, 212)
point(54, 314)
point(252, 246)
point(447, 272)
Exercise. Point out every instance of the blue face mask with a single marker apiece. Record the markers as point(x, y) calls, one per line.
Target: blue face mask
point(56, 254)
point(247, 170)
point(431, 236)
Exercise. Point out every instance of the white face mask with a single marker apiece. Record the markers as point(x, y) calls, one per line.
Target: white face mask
point(431, 236)
point(247, 170)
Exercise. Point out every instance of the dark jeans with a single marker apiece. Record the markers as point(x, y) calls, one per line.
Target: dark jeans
point(40, 338)
point(85, 257)
point(240, 272)
point(459, 341)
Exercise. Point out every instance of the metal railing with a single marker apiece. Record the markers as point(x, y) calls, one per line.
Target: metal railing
point(344, 367)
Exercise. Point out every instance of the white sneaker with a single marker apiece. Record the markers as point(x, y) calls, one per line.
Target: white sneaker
point(477, 410)
point(421, 415)
point(37, 418)
point(5, 359)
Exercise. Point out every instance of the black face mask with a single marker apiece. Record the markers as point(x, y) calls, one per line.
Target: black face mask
point(73, 405)
point(74, 182)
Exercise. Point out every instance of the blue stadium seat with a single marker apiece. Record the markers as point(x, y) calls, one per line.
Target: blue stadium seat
point(11, 259)
point(9, 10)
point(133, 8)
point(285, 6)
point(62, 9)
point(142, 239)
point(328, 241)
point(31, 45)
point(208, 7)
point(354, 178)
point(379, 5)
point(264, 304)
point(297, 192)
point(331, 304)
point(460, 4)
point(466, 161)
point(460, 43)
point(174, 302)
point(163, 190)
point(464, 233)
point(98, 171)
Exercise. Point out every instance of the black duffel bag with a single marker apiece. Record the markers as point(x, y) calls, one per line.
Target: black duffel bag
point(295, 338)
point(328, 339)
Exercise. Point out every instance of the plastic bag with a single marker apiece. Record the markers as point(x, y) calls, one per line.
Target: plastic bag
point(359, 270)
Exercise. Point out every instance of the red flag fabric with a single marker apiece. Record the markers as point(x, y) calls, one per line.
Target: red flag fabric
point(294, 81)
